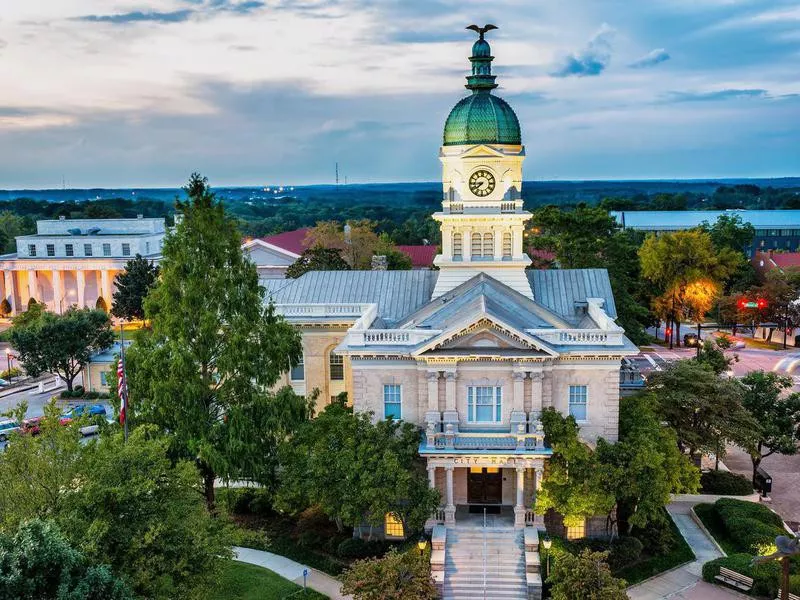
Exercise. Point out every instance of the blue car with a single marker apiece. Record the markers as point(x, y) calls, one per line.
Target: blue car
point(89, 410)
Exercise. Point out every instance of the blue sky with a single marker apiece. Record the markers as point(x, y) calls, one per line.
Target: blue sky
point(249, 92)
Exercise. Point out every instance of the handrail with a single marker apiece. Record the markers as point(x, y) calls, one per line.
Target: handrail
point(484, 553)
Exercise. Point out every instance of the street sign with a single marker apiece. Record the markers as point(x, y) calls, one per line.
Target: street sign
point(751, 304)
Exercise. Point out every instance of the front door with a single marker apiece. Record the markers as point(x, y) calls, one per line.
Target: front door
point(485, 485)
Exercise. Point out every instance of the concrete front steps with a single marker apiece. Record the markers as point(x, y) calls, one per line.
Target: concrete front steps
point(464, 564)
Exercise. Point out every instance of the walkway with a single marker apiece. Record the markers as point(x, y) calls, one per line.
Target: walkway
point(684, 582)
point(291, 570)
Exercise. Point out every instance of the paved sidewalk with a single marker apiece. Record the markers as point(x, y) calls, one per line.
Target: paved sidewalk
point(291, 570)
point(685, 582)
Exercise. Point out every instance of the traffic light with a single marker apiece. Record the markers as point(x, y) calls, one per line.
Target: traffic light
point(762, 303)
point(742, 303)
point(668, 332)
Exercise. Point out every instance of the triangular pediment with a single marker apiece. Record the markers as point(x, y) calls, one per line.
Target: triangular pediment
point(484, 334)
point(481, 151)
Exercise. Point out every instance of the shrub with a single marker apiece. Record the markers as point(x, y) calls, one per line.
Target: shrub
point(79, 391)
point(237, 500)
point(260, 503)
point(624, 551)
point(91, 395)
point(725, 483)
point(729, 508)
point(9, 373)
point(765, 576)
point(658, 537)
point(358, 548)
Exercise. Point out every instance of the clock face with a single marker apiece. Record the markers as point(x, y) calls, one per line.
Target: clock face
point(481, 183)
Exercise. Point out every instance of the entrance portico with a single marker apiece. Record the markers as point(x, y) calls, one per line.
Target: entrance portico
point(487, 481)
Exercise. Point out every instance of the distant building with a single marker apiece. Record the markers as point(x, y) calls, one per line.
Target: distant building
point(763, 262)
point(75, 261)
point(775, 229)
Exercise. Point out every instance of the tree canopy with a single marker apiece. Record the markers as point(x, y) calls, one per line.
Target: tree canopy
point(358, 242)
point(395, 576)
point(585, 577)
point(60, 344)
point(133, 284)
point(317, 259)
point(356, 471)
point(216, 348)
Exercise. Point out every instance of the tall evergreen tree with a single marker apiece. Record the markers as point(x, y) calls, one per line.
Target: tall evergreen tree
point(216, 350)
point(133, 284)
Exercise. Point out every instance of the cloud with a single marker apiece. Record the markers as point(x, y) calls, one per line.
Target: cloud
point(175, 16)
point(591, 60)
point(651, 59)
point(717, 95)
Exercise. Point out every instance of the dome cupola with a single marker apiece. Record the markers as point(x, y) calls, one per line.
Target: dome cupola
point(482, 118)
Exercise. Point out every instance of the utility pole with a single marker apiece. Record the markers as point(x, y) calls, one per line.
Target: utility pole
point(337, 173)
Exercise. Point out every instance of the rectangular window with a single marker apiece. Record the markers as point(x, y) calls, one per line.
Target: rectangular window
point(336, 367)
point(103, 378)
point(147, 247)
point(484, 404)
point(392, 402)
point(31, 249)
point(126, 249)
point(577, 402)
point(87, 249)
point(106, 249)
point(51, 250)
point(298, 372)
point(70, 250)
point(393, 526)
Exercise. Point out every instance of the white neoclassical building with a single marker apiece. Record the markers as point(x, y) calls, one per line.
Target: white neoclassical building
point(474, 351)
point(74, 261)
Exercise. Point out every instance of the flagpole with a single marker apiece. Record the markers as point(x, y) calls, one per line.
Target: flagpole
point(122, 356)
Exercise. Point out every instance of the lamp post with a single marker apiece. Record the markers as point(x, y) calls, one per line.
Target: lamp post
point(10, 362)
point(547, 543)
point(421, 544)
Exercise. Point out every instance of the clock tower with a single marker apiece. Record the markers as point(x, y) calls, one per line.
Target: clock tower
point(482, 219)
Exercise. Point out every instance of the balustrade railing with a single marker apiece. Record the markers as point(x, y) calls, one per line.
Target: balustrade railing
point(569, 337)
point(389, 337)
point(473, 441)
point(322, 310)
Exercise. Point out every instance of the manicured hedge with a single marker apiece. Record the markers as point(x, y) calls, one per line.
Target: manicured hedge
point(750, 526)
point(765, 576)
point(725, 483)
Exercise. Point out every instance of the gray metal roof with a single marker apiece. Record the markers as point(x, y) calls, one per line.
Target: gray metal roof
point(397, 293)
point(559, 290)
point(673, 220)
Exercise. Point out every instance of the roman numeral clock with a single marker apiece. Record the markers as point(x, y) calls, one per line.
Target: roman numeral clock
point(481, 183)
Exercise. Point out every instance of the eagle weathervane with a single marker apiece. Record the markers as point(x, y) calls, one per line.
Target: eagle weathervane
point(481, 31)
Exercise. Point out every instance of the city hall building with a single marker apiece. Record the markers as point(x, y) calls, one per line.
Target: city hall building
point(474, 351)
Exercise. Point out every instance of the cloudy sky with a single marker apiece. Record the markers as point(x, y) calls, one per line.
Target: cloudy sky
point(249, 92)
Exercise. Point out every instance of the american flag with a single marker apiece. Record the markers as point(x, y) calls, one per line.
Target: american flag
point(122, 391)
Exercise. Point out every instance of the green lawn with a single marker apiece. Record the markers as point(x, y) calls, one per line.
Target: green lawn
point(709, 517)
point(241, 581)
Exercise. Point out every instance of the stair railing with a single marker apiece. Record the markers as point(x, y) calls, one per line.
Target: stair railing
point(484, 553)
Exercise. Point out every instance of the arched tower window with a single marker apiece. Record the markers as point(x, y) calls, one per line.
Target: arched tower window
point(488, 245)
point(507, 244)
point(457, 245)
point(476, 245)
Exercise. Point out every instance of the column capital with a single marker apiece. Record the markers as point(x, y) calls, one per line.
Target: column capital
point(450, 375)
point(518, 375)
point(449, 468)
point(521, 469)
point(432, 375)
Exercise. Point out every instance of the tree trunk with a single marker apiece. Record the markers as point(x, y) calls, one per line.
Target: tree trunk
point(339, 525)
point(68, 381)
point(678, 333)
point(756, 464)
point(209, 477)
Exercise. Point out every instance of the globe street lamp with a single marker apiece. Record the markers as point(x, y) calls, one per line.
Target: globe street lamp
point(547, 543)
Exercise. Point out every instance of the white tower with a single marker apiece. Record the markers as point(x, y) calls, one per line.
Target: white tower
point(482, 220)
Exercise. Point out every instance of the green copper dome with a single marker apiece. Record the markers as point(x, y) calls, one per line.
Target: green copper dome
point(481, 118)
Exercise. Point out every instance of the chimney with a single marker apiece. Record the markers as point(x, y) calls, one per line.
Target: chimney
point(380, 263)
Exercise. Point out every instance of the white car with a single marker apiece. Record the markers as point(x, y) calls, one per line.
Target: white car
point(7, 427)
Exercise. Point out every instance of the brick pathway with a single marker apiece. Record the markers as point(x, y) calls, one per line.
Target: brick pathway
point(785, 471)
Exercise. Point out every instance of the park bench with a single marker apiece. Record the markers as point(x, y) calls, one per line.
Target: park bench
point(791, 596)
point(735, 579)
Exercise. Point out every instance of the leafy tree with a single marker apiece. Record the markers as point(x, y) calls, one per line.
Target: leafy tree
point(395, 576)
point(704, 409)
point(133, 284)
point(729, 231)
point(358, 243)
point(38, 473)
point(62, 343)
point(5, 308)
point(216, 349)
point(12, 225)
point(777, 414)
point(645, 466)
point(712, 355)
point(575, 486)
point(585, 577)
point(356, 471)
point(139, 512)
point(588, 237)
point(688, 270)
point(317, 259)
point(38, 562)
point(101, 304)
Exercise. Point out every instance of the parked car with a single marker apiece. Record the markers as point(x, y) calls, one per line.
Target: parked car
point(84, 409)
point(7, 427)
point(690, 340)
point(31, 425)
point(3, 382)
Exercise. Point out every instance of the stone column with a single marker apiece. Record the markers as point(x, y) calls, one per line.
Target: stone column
point(450, 412)
point(58, 292)
point(518, 403)
point(433, 391)
point(33, 286)
point(447, 243)
point(450, 508)
point(466, 244)
point(80, 278)
point(105, 287)
point(538, 520)
point(497, 232)
point(8, 277)
point(516, 241)
point(432, 477)
point(519, 507)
